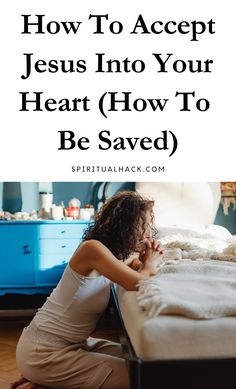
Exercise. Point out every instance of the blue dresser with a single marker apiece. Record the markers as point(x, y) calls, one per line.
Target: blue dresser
point(33, 254)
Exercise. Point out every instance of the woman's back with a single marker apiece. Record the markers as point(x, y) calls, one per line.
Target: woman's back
point(74, 307)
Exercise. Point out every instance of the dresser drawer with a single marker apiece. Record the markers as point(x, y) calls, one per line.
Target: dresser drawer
point(50, 277)
point(55, 246)
point(17, 255)
point(61, 231)
point(48, 261)
point(50, 268)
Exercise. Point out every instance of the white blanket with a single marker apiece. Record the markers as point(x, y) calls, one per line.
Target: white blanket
point(195, 289)
point(198, 246)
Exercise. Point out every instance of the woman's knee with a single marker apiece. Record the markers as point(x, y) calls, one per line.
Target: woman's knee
point(118, 378)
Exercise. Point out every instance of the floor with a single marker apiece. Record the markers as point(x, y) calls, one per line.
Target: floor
point(10, 330)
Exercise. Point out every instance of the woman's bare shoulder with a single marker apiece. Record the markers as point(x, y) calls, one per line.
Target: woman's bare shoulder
point(91, 245)
point(82, 260)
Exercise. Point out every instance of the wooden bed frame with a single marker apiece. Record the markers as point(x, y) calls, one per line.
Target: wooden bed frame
point(214, 373)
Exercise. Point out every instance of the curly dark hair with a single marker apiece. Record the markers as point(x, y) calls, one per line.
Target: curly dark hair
point(121, 222)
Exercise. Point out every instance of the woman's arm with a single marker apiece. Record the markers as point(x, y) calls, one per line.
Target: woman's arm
point(92, 254)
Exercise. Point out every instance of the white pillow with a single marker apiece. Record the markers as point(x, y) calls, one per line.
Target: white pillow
point(183, 203)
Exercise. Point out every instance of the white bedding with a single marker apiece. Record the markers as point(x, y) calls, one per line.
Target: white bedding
point(176, 337)
point(195, 289)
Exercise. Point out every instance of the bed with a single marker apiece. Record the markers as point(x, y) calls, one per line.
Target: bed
point(168, 350)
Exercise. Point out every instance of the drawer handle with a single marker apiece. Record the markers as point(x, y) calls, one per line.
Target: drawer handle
point(63, 246)
point(27, 249)
point(63, 231)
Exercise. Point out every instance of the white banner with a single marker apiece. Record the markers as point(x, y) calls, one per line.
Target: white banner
point(117, 91)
